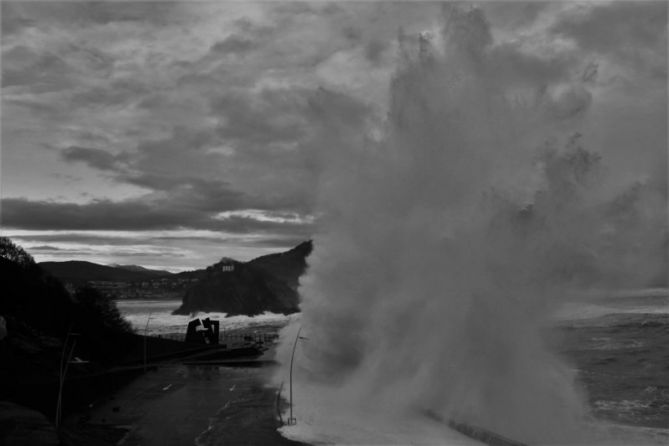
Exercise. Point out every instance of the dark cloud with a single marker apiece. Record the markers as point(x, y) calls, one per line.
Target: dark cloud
point(45, 248)
point(96, 158)
point(101, 214)
point(625, 29)
point(85, 238)
point(181, 171)
point(513, 64)
point(196, 194)
point(157, 13)
point(12, 19)
point(273, 115)
point(184, 144)
point(81, 13)
point(374, 50)
point(114, 93)
point(134, 215)
point(513, 14)
point(233, 45)
point(215, 108)
point(39, 109)
point(40, 71)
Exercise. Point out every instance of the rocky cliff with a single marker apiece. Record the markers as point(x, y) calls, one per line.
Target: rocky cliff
point(267, 283)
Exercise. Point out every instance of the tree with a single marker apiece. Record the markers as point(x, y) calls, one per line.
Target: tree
point(95, 311)
point(14, 253)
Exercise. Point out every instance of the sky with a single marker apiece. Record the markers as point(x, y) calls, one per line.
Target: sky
point(171, 134)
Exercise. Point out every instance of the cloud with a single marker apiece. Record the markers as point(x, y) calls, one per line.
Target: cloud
point(633, 32)
point(97, 158)
point(169, 114)
point(12, 19)
point(45, 248)
point(615, 25)
point(233, 45)
point(274, 115)
point(175, 250)
point(74, 14)
point(140, 215)
point(40, 71)
point(104, 214)
point(118, 92)
point(514, 64)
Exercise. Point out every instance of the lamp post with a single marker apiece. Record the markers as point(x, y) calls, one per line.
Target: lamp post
point(62, 372)
point(146, 332)
point(291, 419)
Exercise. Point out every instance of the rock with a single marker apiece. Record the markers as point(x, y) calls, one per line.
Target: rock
point(268, 283)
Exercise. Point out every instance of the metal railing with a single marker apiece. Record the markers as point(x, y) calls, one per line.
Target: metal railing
point(229, 339)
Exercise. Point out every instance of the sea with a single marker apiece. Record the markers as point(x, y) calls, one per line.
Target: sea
point(155, 318)
point(618, 343)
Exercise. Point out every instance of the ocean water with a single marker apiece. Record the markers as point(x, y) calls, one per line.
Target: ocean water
point(620, 347)
point(619, 343)
point(156, 319)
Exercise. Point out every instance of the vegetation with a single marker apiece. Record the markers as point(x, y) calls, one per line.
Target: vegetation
point(13, 253)
point(37, 307)
point(92, 305)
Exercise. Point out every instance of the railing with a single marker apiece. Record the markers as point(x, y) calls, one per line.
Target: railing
point(230, 339)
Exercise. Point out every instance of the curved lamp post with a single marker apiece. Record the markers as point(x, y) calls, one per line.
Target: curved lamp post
point(65, 361)
point(291, 419)
point(146, 333)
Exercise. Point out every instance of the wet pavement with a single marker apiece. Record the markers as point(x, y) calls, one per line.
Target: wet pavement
point(202, 405)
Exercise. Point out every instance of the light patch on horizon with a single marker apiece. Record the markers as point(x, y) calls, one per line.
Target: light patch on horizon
point(260, 215)
point(156, 249)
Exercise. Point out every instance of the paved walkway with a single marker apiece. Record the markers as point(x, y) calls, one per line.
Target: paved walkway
point(177, 405)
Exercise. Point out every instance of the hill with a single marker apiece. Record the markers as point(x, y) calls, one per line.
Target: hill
point(287, 266)
point(39, 313)
point(147, 271)
point(267, 283)
point(80, 272)
point(123, 281)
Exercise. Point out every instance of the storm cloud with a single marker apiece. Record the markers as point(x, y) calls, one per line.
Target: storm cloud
point(219, 116)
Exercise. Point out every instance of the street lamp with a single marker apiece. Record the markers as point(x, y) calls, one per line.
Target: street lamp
point(146, 333)
point(62, 371)
point(291, 419)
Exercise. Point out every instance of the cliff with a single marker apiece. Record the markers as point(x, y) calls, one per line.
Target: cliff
point(267, 283)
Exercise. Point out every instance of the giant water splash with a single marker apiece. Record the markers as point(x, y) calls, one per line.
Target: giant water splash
point(450, 232)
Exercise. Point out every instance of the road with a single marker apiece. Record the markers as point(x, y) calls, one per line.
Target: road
point(176, 405)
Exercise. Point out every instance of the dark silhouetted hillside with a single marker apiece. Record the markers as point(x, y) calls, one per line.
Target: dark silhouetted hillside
point(287, 266)
point(39, 314)
point(268, 283)
point(80, 272)
point(147, 271)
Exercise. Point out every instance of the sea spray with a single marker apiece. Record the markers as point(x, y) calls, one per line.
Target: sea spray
point(448, 235)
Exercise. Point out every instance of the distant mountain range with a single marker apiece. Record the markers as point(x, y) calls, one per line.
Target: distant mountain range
point(123, 281)
point(267, 283)
point(156, 272)
point(79, 272)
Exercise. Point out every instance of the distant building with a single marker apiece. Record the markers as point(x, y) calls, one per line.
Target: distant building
point(227, 265)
